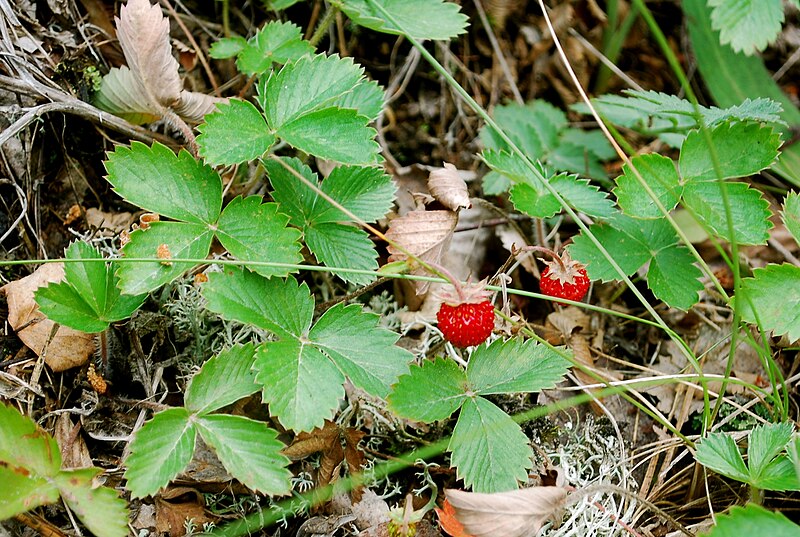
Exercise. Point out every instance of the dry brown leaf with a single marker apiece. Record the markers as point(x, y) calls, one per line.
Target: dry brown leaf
point(448, 188)
point(425, 234)
point(177, 504)
point(109, 224)
point(143, 34)
point(448, 521)
point(68, 348)
point(518, 513)
point(74, 453)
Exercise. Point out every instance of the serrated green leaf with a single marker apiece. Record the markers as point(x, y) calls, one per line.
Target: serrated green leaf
point(368, 193)
point(742, 149)
point(576, 159)
point(296, 200)
point(747, 25)
point(62, 304)
point(23, 491)
point(582, 196)
point(422, 19)
point(255, 231)
point(363, 350)
point(593, 141)
point(791, 214)
point(167, 438)
point(753, 520)
point(431, 392)
point(100, 509)
point(175, 186)
point(310, 83)
point(182, 241)
point(538, 204)
point(660, 175)
point(227, 47)
point(338, 245)
point(301, 385)
point(749, 210)
point(366, 98)
point(25, 445)
point(276, 42)
point(774, 294)
point(674, 278)
point(718, 452)
point(533, 127)
point(249, 450)
point(224, 379)
point(235, 133)
point(338, 134)
point(779, 475)
point(489, 450)
point(280, 306)
point(88, 299)
point(515, 365)
point(628, 248)
point(512, 167)
point(731, 77)
point(495, 183)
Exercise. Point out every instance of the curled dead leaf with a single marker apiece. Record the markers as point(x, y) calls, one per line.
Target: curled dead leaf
point(517, 513)
point(448, 188)
point(68, 348)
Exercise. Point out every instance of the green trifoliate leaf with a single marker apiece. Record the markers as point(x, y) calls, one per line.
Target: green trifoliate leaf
point(489, 450)
point(338, 134)
point(753, 519)
point(575, 158)
point(169, 439)
point(311, 83)
point(296, 199)
point(227, 47)
point(224, 379)
point(88, 299)
point(276, 42)
point(366, 98)
point(175, 186)
point(766, 442)
point(431, 392)
point(659, 173)
point(672, 275)
point(167, 241)
point(718, 452)
point(772, 298)
point(339, 245)
point(249, 450)
point(235, 133)
point(301, 385)
point(255, 231)
point(791, 214)
point(361, 348)
point(742, 149)
point(280, 306)
point(594, 142)
point(100, 509)
point(747, 25)
point(421, 19)
point(514, 366)
point(23, 491)
point(749, 210)
point(23, 444)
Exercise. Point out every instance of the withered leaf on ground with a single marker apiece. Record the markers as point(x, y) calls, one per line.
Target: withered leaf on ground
point(518, 513)
point(448, 188)
point(337, 444)
point(68, 348)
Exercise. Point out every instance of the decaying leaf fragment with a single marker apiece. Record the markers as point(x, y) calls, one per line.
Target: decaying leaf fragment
point(448, 188)
point(518, 513)
point(150, 86)
point(68, 347)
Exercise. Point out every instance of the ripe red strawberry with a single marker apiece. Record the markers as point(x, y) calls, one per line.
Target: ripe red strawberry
point(565, 279)
point(466, 319)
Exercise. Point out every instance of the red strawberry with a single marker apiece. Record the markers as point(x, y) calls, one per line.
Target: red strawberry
point(565, 279)
point(466, 319)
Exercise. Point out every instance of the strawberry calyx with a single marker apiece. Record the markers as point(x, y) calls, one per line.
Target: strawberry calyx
point(564, 269)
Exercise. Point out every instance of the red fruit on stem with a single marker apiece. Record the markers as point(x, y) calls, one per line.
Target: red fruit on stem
point(466, 324)
point(567, 279)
